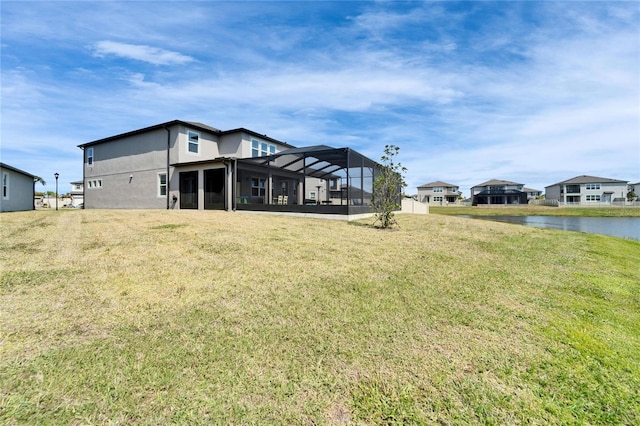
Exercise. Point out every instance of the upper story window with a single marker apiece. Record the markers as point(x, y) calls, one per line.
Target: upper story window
point(592, 186)
point(90, 156)
point(437, 189)
point(77, 186)
point(259, 148)
point(194, 142)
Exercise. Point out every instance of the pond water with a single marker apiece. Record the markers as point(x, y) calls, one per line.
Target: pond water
point(623, 227)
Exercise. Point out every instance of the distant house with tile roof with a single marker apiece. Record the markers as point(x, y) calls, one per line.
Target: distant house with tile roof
point(498, 192)
point(439, 192)
point(587, 189)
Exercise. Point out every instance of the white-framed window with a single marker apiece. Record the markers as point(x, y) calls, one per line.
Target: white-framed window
point(593, 198)
point(5, 185)
point(259, 148)
point(437, 189)
point(94, 184)
point(193, 142)
point(77, 186)
point(258, 187)
point(438, 199)
point(592, 186)
point(90, 156)
point(162, 184)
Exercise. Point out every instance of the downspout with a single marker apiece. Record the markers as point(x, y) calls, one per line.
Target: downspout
point(168, 151)
point(84, 168)
point(304, 178)
point(227, 170)
point(234, 195)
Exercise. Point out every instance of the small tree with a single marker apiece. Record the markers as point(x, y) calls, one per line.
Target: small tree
point(387, 188)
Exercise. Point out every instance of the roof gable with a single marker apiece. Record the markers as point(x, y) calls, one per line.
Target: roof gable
point(8, 167)
point(437, 183)
point(191, 124)
point(588, 179)
point(498, 182)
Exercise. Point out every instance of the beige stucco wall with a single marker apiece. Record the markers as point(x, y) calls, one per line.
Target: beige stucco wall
point(409, 205)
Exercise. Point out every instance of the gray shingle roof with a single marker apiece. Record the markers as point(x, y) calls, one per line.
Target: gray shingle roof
point(588, 179)
point(436, 183)
point(497, 182)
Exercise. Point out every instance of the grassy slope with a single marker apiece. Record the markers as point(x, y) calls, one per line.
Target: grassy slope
point(159, 317)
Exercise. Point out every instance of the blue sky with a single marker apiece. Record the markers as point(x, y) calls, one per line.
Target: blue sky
point(532, 92)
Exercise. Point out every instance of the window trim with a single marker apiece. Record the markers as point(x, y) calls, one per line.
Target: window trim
point(94, 183)
point(261, 148)
point(260, 189)
point(161, 185)
point(90, 156)
point(5, 185)
point(196, 144)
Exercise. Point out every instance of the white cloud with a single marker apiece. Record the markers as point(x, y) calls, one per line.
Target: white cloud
point(153, 55)
point(532, 97)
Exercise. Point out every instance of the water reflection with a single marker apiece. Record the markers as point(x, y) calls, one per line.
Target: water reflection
point(624, 227)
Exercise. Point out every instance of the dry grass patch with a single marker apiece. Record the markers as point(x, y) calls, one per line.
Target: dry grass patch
point(194, 317)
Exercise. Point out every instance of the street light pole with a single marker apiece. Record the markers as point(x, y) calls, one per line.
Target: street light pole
point(56, 175)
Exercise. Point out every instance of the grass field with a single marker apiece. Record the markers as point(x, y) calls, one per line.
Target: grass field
point(192, 317)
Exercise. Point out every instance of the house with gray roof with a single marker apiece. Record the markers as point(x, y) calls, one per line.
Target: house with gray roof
point(189, 165)
point(532, 194)
point(587, 190)
point(498, 192)
point(439, 192)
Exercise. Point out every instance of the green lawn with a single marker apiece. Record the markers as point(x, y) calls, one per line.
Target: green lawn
point(192, 317)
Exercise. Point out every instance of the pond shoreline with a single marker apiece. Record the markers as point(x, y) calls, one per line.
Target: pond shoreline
point(536, 211)
point(622, 227)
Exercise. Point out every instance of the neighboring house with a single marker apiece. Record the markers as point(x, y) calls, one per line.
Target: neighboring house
point(438, 192)
point(586, 190)
point(496, 192)
point(77, 194)
point(532, 194)
point(188, 165)
point(18, 189)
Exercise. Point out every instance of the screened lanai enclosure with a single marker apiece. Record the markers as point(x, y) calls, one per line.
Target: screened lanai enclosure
point(316, 179)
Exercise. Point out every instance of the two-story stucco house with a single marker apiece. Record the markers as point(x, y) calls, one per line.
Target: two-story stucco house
point(439, 192)
point(18, 189)
point(77, 194)
point(188, 165)
point(586, 190)
point(496, 192)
